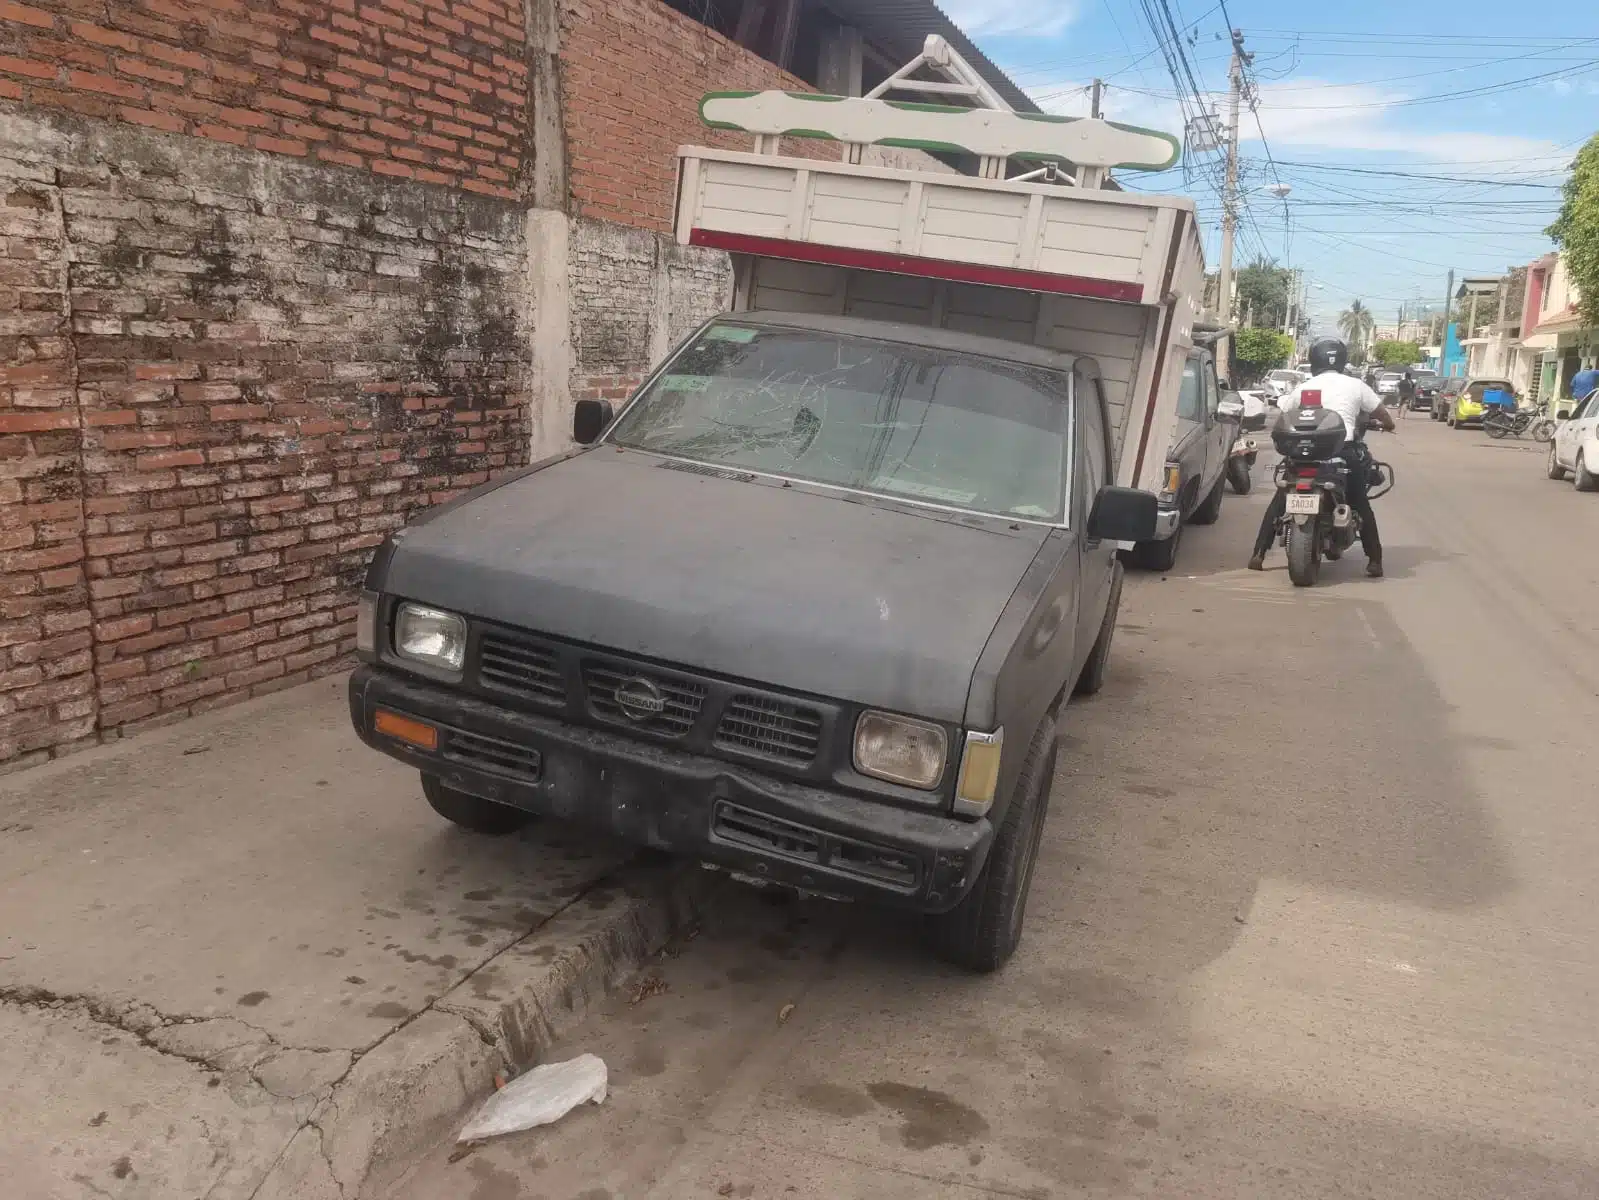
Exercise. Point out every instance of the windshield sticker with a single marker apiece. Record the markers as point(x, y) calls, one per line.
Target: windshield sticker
point(730, 333)
point(685, 383)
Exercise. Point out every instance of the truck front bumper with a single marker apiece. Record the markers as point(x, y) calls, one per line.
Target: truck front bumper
point(767, 828)
point(1167, 519)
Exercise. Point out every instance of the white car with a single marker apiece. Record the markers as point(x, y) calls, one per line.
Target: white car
point(1388, 383)
point(1575, 449)
point(1282, 381)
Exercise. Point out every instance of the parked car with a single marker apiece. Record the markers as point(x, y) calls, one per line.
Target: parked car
point(1196, 464)
point(1466, 413)
point(1388, 383)
point(1427, 384)
point(1444, 399)
point(1283, 380)
point(807, 609)
point(1575, 448)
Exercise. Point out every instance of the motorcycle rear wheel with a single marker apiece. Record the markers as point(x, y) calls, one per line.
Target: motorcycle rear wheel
point(1238, 476)
point(1496, 426)
point(1304, 554)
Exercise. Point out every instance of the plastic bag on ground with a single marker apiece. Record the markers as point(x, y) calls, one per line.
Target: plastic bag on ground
point(541, 1097)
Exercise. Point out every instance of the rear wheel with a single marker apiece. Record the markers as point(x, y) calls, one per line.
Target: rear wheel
point(1304, 553)
point(1496, 426)
point(1238, 475)
point(472, 812)
point(1553, 468)
point(1210, 507)
point(983, 930)
point(1583, 479)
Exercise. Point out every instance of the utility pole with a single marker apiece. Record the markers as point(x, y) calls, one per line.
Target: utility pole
point(1229, 202)
point(1443, 340)
point(1099, 87)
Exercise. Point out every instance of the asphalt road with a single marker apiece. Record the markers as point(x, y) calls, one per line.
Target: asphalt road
point(1314, 916)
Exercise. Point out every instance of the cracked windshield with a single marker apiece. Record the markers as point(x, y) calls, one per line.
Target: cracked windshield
point(932, 426)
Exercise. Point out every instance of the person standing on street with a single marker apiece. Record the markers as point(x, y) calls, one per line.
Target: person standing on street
point(1407, 393)
point(1351, 399)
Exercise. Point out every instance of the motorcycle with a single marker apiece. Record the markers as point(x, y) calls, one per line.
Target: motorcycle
point(1239, 461)
point(1313, 476)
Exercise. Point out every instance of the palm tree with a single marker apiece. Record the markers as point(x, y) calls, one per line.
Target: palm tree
point(1357, 324)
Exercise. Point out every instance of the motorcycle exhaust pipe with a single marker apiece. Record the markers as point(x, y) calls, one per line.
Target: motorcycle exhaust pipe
point(1341, 516)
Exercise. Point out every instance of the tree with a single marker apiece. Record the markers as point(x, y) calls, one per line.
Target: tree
point(1576, 229)
point(1396, 354)
point(1263, 288)
point(1357, 324)
point(1256, 351)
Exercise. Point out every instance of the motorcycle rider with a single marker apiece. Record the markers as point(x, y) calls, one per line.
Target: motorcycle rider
point(1351, 399)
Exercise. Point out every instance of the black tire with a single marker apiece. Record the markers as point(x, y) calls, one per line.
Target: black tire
point(473, 812)
point(1093, 676)
point(1553, 468)
point(1304, 554)
point(1496, 427)
point(1157, 556)
point(1210, 507)
point(982, 932)
point(1542, 430)
point(1238, 476)
point(1583, 479)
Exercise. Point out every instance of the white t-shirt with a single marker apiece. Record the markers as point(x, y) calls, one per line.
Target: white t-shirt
point(1343, 394)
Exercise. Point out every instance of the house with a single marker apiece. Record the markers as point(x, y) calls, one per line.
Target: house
point(280, 275)
point(1494, 350)
point(1556, 340)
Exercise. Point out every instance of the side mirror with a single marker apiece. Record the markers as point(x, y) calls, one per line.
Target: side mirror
point(590, 419)
point(1123, 515)
point(1223, 385)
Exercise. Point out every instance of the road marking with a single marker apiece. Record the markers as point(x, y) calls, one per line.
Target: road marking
point(1370, 632)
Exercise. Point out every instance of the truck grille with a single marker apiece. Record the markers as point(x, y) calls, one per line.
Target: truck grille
point(510, 664)
point(491, 754)
point(775, 728)
point(681, 699)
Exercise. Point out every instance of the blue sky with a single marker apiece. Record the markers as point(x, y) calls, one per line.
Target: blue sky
point(1356, 102)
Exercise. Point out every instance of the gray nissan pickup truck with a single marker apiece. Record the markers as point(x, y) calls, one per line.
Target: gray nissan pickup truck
point(809, 608)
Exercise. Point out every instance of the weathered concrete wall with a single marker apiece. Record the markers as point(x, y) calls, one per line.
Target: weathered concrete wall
point(230, 375)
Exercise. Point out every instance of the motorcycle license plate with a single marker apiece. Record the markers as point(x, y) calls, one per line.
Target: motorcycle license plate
point(1304, 505)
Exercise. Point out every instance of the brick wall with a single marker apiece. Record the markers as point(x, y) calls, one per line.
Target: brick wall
point(425, 89)
point(254, 368)
point(632, 75)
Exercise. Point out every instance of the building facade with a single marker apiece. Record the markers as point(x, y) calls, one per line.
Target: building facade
point(275, 276)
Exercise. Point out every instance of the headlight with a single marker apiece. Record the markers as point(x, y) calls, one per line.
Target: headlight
point(899, 750)
point(429, 636)
point(1174, 480)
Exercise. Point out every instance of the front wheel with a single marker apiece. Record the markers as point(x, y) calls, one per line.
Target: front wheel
point(983, 930)
point(1542, 430)
point(1582, 478)
point(1158, 555)
point(472, 812)
point(1210, 507)
point(1238, 475)
point(1304, 553)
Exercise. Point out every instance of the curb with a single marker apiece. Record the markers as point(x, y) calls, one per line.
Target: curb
point(409, 1092)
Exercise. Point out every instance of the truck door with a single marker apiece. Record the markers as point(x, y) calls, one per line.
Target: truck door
point(1092, 472)
point(1216, 431)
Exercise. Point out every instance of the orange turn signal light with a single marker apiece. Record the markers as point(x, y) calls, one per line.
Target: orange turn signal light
point(406, 729)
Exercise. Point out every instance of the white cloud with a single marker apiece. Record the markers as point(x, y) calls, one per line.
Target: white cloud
point(997, 18)
point(1320, 115)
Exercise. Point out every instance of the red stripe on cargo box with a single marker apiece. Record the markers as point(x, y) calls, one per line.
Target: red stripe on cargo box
point(910, 264)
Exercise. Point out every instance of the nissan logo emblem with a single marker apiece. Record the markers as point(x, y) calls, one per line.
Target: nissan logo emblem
point(639, 699)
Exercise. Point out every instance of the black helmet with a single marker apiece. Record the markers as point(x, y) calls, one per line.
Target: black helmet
point(1328, 354)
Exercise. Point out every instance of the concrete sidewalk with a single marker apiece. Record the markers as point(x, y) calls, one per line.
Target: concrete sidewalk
point(243, 958)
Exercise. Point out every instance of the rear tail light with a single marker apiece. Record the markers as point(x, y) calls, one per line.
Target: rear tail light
point(1309, 472)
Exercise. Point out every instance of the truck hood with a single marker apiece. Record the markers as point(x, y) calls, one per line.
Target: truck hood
point(1183, 436)
point(795, 587)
